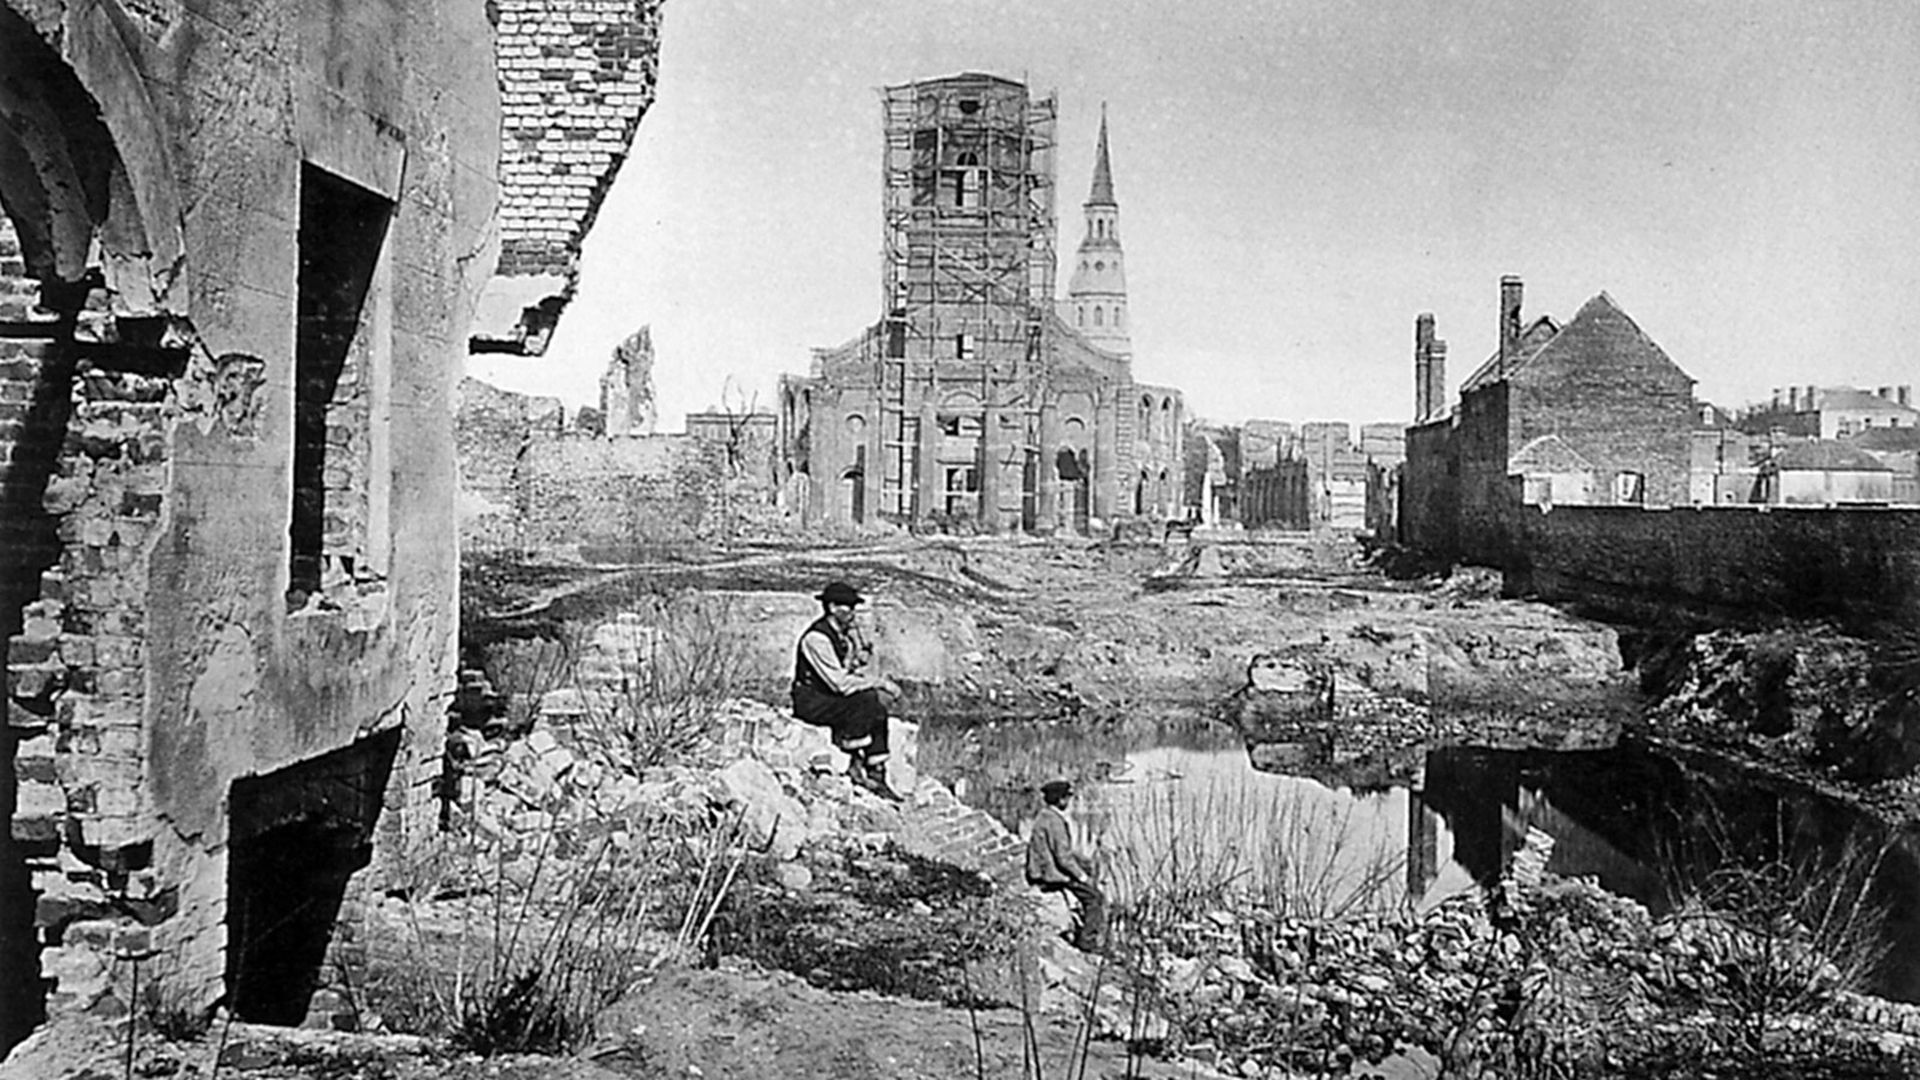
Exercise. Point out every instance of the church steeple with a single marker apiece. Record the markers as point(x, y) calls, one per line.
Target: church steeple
point(1097, 290)
point(1102, 169)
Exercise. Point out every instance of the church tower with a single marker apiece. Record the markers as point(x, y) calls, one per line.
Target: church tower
point(1097, 290)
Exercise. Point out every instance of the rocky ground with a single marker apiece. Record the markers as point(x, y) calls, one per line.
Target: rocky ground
point(838, 935)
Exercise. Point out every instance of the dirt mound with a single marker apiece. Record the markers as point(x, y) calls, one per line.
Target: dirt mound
point(735, 1022)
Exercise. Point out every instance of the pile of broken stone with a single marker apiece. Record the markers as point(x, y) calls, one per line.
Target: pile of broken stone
point(1247, 991)
point(784, 780)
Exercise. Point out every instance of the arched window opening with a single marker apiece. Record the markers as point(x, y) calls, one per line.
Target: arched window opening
point(971, 181)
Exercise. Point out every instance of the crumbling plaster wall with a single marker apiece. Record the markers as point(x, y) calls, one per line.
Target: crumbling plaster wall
point(159, 662)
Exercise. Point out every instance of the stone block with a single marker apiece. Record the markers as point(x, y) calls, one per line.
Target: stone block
point(36, 682)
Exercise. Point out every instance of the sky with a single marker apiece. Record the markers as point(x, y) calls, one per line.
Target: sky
point(1297, 180)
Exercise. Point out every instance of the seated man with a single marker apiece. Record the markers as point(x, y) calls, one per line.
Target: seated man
point(1055, 866)
point(832, 690)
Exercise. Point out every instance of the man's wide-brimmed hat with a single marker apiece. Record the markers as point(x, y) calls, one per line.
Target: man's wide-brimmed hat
point(1056, 789)
point(840, 593)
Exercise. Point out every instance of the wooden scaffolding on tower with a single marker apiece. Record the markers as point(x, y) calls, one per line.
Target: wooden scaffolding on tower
point(967, 282)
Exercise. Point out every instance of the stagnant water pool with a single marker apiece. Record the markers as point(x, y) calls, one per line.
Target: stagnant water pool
point(1178, 804)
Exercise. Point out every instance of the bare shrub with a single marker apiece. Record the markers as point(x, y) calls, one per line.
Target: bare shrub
point(1172, 858)
point(676, 658)
point(1783, 924)
point(543, 899)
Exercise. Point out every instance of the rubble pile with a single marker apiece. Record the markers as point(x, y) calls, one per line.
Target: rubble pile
point(781, 777)
point(1563, 971)
point(1810, 699)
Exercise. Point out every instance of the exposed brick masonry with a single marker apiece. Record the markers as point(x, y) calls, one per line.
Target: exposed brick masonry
point(1846, 563)
point(576, 76)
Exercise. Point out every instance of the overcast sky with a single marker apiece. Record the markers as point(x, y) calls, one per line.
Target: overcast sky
point(1297, 180)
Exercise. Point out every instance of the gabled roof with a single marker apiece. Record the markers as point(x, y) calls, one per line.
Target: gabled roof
point(1548, 454)
point(1887, 439)
point(1592, 334)
point(1846, 397)
point(1532, 340)
point(1826, 455)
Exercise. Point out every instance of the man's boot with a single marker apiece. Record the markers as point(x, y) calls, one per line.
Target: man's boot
point(875, 780)
point(857, 771)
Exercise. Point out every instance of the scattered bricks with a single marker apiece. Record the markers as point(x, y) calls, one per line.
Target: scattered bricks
point(77, 650)
point(64, 493)
point(38, 812)
point(132, 941)
point(36, 766)
point(140, 506)
point(68, 906)
point(118, 651)
point(27, 719)
point(117, 795)
point(41, 620)
point(83, 801)
point(23, 651)
point(36, 682)
point(121, 683)
point(146, 479)
point(124, 386)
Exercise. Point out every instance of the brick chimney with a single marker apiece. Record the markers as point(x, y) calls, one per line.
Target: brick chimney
point(1776, 399)
point(1904, 395)
point(1437, 377)
point(1509, 320)
point(1811, 400)
point(1422, 366)
point(1885, 393)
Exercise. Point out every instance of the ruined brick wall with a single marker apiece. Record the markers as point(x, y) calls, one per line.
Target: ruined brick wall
point(1848, 563)
point(1429, 490)
point(576, 77)
point(159, 651)
point(613, 499)
point(491, 433)
point(1482, 450)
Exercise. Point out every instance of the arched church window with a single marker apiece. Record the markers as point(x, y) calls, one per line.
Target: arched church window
point(1096, 316)
point(972, 180)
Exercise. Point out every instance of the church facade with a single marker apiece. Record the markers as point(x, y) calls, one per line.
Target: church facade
point(979, 401)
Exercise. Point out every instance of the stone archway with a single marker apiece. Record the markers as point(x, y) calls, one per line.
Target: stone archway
point(82, 334)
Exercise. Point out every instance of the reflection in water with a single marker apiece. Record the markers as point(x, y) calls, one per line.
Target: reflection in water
point(1178, 797)
point(1179, 802)
point(1647, 828)
point(1197, 824)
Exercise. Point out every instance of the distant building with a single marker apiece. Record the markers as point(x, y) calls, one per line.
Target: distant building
point(1831, 412)
point(1821, 473)
point(1899, 450)
point(978, 401)
point(1724, 466)
point(1592, 412)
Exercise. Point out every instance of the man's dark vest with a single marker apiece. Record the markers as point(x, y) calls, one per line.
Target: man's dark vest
point(803, 673)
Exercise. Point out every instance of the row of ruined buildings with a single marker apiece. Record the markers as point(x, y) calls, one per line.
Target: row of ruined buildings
point(977, 401)
point(1577, 457)
point(244, 253)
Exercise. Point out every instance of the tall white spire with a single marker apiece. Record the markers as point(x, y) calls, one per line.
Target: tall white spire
point(1097, 290)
